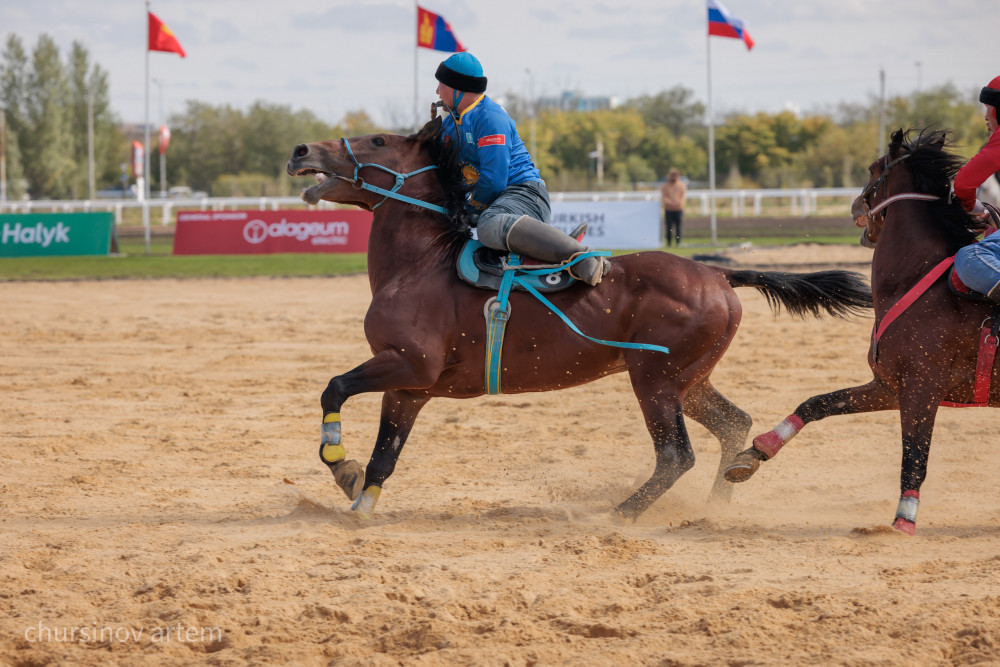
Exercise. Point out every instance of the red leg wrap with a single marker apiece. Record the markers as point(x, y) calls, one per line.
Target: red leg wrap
point(769, 443)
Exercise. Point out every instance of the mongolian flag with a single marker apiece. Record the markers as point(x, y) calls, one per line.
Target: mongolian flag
point(161, 38)
point(433, 32)
point(722, 24)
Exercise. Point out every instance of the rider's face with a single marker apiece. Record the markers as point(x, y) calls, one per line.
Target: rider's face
point(991, 118)
point(445, 93)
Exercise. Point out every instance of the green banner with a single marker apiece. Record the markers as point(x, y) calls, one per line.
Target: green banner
point(56, 234)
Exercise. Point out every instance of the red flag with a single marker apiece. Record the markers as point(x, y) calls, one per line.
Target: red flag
point(433, 32)
point(161, 38)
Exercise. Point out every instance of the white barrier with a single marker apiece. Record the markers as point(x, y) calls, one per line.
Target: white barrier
point(802, 202)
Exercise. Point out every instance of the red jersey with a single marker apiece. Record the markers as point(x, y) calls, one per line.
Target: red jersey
point(975, 172)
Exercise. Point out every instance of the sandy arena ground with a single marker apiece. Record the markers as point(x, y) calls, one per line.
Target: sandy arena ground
point(162, 502)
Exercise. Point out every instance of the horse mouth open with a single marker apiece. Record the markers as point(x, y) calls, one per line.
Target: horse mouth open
point(325, 181)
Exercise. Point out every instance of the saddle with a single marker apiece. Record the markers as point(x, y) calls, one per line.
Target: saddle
point(483, 267)
point(963, 291)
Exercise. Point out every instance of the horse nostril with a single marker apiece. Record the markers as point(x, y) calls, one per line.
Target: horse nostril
point(301, 150)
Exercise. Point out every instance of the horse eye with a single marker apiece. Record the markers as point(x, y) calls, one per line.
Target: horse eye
point(378, 141)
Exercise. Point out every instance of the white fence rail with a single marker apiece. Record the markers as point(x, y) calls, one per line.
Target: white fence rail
point(802, 202)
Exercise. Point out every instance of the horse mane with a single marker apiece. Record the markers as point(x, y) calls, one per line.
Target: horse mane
point(934, 167)
point(452, 183)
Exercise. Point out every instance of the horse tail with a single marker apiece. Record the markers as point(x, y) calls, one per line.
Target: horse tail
point(839, 293)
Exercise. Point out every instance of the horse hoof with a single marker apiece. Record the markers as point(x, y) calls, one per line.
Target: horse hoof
point(904, 526)
point(624, 515)
point(364, 506)
point(742, 468)
point(350, 477)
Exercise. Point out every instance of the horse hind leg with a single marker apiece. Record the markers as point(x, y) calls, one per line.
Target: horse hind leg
point(661, 408)
point(728, 423)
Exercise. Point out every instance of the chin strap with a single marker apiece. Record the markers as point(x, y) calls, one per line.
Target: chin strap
point(456, 98)
point(387, 194)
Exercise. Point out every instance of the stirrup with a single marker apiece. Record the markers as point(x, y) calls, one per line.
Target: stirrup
point(994, 293)
point(605, 266)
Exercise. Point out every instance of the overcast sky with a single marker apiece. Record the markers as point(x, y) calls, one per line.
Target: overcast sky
point(336, 56)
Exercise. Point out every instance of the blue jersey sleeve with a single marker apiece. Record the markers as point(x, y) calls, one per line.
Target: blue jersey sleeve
point(493, 146)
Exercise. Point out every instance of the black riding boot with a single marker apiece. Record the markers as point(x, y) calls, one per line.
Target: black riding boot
point(536, 239)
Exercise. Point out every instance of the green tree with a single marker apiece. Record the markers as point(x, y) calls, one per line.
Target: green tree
point(13, 87)
point(89, 94)
point(206, 142)
point(675, 109)
point(48, 139)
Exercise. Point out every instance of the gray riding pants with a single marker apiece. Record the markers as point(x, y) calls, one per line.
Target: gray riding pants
point(529, 198)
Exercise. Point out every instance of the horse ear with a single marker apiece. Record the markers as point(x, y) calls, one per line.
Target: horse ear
point(430, 131)
point(895, 141)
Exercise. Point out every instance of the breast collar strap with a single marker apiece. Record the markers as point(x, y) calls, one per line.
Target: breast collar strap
point(387, 194)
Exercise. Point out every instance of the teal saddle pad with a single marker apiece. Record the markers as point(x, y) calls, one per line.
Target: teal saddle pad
point(481, 267)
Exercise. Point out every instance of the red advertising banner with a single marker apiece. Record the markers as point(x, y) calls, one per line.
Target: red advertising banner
point(264, 232)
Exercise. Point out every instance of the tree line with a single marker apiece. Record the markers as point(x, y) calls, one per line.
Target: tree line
point(227, 151)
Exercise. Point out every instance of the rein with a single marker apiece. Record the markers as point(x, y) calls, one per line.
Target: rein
point(359, 182)
point(902, 195)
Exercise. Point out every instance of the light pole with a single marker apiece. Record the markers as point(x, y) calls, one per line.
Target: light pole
point(532, 113)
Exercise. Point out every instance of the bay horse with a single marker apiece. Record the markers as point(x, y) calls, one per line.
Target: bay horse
point(926, 342)
point(427, 332)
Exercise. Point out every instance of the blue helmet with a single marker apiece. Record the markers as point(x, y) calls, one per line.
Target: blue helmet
point(462, 71)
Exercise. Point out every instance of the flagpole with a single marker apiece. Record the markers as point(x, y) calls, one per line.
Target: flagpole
point(711, 140)
point(144, 184)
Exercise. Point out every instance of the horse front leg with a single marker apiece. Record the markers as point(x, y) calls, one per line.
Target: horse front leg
point(871, 397)
point(387, 371)
point(917, 412)
point(399, 412)
point(725, 421)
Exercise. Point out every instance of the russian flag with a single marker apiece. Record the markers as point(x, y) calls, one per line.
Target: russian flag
point(722, 24)
point(433, 32)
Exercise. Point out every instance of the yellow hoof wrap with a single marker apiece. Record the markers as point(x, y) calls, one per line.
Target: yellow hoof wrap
point(365, 504)
point(331, 450)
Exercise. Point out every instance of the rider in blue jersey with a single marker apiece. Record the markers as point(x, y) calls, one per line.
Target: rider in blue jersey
point(507, 192)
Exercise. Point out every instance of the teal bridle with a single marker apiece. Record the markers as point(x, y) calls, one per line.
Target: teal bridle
point(359, 182)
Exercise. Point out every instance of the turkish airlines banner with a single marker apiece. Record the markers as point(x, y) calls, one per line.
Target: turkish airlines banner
point(614, 225)
point(265, 232)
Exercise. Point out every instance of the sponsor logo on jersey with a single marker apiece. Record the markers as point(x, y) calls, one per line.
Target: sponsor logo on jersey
point(493, 140)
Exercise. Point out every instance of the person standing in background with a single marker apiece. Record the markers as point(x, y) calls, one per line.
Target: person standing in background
point(674, 195)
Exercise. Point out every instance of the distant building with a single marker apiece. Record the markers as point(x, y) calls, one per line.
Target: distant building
point(574, 101)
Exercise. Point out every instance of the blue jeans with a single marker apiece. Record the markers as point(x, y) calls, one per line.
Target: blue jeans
point(978, 265)
point(529, 198)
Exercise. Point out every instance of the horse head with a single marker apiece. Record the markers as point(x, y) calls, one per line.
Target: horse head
point(360, 170)
point(876, 191)
point(920, 169)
